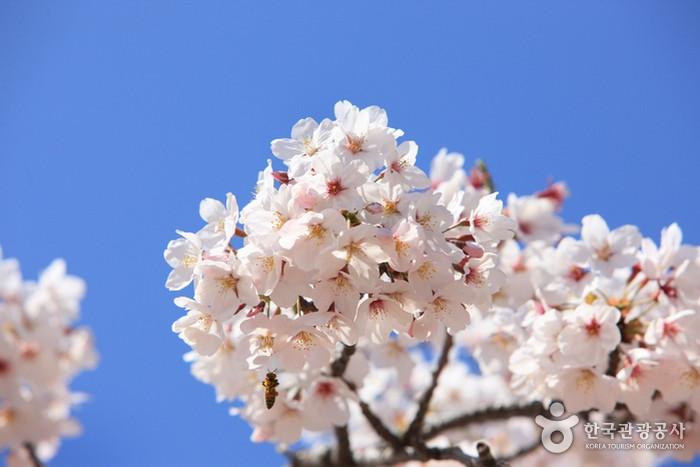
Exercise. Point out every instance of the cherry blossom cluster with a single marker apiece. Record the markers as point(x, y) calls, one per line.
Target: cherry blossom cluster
point(603, 320)
point(357, 300)
point(349, 245)
point(40, 353)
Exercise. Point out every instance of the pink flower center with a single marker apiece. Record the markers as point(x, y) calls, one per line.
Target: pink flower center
point(636, 372)
point(325, 389)
point(4, 366)
point(474, 277)
point(519, 265)
point(376, 308)
point(576, 273)
point(354, 144)
point(671, 329)
point(593, 327)
point(480, 222)
point(334, 187)
point(669, 289)
point(539, 308)
point(29, 350)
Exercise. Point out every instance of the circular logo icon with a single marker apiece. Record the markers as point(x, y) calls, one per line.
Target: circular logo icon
point(564, 426)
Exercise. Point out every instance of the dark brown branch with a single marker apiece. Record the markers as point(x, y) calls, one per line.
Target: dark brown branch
point(494, 413)
point(413, 432)
point(376, 423)
point(405, 450)
point(345, 456)
point(338, 368)
point(453, 454)
point(341, 363)
point(36, 462)
point(613, 361)
point(411, 447)
point(485, 457)
point(395, 458)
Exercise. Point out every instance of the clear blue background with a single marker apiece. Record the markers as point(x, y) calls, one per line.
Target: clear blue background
point(116, 118)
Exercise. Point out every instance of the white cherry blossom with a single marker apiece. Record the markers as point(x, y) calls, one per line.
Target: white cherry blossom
point(590, 334)
point(609, 250)
point(41, 351)
point(351, 275)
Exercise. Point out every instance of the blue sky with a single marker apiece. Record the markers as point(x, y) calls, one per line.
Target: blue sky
point(116, 118)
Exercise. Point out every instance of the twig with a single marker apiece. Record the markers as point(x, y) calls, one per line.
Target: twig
point(376, 423)
point(338, 368)
point(412, 434)
point(345, 456)
point(36, 462)
point(394, 458)
point(453, 454)
point(341, 363)
point(485, 457)
point(613, 362)
point(494, 413)
point(411, 446)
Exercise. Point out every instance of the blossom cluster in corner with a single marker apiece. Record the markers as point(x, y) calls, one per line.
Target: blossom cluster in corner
point(40, 353)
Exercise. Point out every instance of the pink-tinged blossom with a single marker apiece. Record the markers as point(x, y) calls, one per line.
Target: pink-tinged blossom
point(638, 380)
point(585, 388)
point(590, 334)
point(352, 245)
point(41, 351)
point(325, 404)
point(182, 255)
point(487, 222)
point(609, 250)
point(379, 315)
point(401, 166)
point(221, 220)
point(308, 140)
point(402, 245)
point(361, 134)
point(310, 237)
point(198, 328)
point(224, 287)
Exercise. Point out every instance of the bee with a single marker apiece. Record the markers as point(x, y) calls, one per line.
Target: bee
point(270, 384)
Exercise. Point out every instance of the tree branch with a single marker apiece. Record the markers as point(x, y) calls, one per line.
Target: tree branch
point(414, 430)
point(341, 363)
point(493, 413)
point(411, 446)
point(376, 423)
point(613, 362)
point(338, 368)
point(345, 456)
point(36, 462)
point(484, 459)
